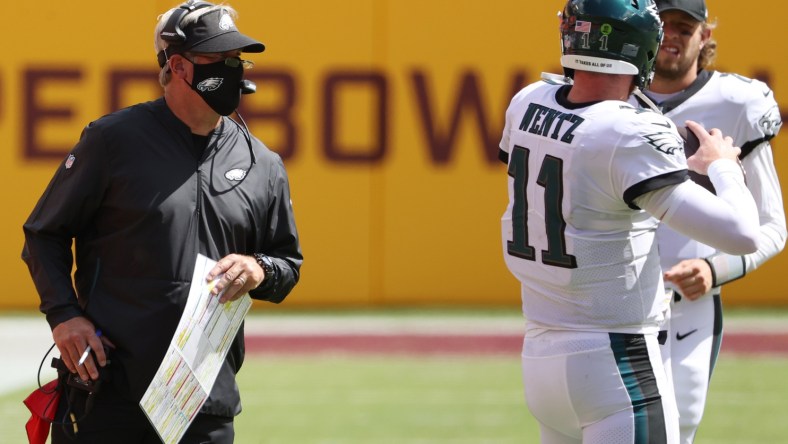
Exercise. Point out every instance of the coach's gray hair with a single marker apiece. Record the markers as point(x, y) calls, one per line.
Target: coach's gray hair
point(159, 43)
point(708, 54)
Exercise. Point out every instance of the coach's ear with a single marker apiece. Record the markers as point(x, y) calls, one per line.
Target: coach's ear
point(177, 66)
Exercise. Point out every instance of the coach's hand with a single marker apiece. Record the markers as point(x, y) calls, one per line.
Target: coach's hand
point(72, 337)
point(241, 274)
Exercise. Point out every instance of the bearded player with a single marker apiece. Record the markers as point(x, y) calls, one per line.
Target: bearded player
point(684, 88)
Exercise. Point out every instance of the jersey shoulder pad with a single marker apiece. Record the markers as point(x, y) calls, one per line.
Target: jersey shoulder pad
point(741, 89)
point(529, 92)
point(763, 113)
point(656, 131)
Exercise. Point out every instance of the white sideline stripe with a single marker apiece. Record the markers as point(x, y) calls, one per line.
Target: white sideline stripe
point(25, 339)
point(23, 343)
point(371, 324)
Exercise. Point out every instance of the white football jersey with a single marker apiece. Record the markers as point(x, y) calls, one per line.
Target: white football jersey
point(584, 253)
point(745, 110)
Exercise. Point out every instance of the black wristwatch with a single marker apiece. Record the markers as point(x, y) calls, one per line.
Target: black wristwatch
point(267, 265)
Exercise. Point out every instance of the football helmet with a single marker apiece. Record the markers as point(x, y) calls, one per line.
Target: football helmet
point(612, 37)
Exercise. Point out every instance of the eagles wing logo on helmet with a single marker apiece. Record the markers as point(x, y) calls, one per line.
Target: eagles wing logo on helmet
point(665, 141)
point(652, 9)
point(211, 84)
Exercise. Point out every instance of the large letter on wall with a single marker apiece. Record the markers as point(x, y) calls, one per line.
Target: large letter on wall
point(378, 86)
point(35, 113)
point(469, 100)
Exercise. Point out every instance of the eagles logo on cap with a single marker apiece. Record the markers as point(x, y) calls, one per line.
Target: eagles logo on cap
point(226, 22)
point(213, 32)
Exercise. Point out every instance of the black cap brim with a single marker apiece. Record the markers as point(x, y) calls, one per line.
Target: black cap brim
point(215, 31)
point(228, 41)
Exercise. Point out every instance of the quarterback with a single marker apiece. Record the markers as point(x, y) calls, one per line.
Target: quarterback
point(590, 178)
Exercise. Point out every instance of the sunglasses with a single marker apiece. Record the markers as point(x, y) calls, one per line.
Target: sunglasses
point(232, 62)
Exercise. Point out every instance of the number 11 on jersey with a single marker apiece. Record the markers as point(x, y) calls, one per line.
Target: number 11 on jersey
point(551, 179)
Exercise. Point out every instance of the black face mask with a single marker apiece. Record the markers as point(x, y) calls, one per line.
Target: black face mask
point(219, 85)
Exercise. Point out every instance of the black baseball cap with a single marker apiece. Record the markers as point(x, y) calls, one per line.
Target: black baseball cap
point(215, 31)
point(695, 8)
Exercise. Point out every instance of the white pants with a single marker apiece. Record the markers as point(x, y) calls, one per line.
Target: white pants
point(694, 339)
point(598, 388)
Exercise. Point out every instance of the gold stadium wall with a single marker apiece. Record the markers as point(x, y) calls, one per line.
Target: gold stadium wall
point(387, 112)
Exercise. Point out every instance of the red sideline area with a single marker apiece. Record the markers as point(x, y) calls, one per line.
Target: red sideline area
point(446, 344)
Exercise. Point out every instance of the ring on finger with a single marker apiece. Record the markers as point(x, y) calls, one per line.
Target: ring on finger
point(240, 281)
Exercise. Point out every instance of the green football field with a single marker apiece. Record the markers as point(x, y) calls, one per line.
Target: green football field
point(397, 399)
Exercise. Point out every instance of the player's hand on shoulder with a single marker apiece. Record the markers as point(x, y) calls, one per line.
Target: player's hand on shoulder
point(713, 145)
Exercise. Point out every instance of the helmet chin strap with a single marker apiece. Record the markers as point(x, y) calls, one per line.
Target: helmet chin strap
point(556, 78)
point(644, 98)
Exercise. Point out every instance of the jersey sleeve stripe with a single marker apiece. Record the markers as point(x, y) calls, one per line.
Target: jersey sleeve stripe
point(653, 183)
point(747, 148)
point(503, 156)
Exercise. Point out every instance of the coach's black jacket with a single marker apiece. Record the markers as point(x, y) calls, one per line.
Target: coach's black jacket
point(140, 208)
